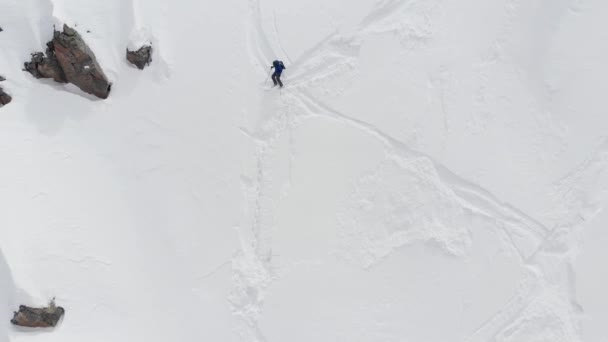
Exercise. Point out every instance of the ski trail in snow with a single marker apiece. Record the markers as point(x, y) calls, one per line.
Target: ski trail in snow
point(474, 197)
point(258, 41)
point(276, 32)
point(574, 202)
point(528, 290)
point(252, 266)
point(335, 56)
point(382, 10)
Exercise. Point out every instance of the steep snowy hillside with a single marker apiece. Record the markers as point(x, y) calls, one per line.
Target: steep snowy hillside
point(432, 171)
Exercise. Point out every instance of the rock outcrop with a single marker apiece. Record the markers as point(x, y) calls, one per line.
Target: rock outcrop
point(4, 97)
point(38, 317)
point(69, 59)
point(41, 66)
point(140, 58)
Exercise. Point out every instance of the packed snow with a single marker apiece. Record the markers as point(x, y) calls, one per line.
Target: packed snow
point(432, 171)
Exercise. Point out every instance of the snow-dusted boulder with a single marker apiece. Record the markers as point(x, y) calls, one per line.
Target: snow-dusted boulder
point(140, 58)
point(4, 97)
point(69, 59)
point(38, 317)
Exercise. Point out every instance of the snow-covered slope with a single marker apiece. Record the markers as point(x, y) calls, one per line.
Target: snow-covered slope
point(432, 171)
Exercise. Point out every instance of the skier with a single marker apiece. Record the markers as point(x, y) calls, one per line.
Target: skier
point(278, 67)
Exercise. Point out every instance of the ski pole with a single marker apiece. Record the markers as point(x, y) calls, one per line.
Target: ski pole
point(267, 77)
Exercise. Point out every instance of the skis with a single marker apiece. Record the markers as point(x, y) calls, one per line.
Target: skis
point(273, 87)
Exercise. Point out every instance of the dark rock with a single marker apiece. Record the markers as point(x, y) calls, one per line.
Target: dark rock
point(1, 29)
point(41, 66)
point(38, 317)
point(4, 98)
point(69, 59)
point(141, 57)
point(79, 63)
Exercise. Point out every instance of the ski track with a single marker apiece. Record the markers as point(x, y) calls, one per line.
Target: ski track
point(528, 290)
point(568, 192)
point(338, 56)
point(473, 196)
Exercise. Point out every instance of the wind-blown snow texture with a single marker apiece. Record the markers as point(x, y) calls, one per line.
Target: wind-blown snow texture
point(433, 171)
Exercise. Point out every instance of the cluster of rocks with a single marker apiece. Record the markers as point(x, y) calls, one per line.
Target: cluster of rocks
point(140, 58)
point(69, 59)
point(4, 97)
point(46, 317)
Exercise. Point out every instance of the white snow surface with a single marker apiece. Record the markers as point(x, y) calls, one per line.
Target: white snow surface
point(432, 171)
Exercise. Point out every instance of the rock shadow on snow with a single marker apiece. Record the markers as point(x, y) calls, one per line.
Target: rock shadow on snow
point(7, 297)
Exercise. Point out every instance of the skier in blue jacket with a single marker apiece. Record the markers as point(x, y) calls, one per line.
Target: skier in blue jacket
point(278, 67)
